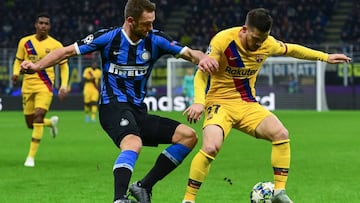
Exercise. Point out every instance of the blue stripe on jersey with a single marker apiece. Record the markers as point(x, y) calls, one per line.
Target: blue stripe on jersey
point(30, 49)
point(233, 56)
point(243, 87)
point(127, 65)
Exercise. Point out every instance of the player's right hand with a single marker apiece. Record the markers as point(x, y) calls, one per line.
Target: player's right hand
point(14, 79)
point(194, 112)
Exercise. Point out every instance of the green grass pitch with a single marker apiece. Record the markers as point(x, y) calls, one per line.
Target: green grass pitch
point(77, 165)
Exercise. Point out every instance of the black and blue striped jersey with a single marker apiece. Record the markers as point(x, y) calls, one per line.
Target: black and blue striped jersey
point(127, 65)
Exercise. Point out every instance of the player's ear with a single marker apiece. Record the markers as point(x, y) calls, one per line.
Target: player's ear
point(245, 28)
point(130, 20)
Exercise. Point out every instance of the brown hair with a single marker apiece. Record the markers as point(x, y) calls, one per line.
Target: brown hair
point(135, 8)
point(259, 18)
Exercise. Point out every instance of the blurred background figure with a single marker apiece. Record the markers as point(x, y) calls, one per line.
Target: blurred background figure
point(293, 84)
point(91, 76)
point(188, 86)
point(37, 88)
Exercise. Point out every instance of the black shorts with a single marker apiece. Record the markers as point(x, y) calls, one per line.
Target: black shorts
point(121, 119)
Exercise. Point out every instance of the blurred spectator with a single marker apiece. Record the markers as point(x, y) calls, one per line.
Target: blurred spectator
point(74, 18)
point(302, 21)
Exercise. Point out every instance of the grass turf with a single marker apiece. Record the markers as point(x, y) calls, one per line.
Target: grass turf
point(77, 165)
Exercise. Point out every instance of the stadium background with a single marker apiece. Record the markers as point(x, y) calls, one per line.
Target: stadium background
point(76, 167)
point(329, 25)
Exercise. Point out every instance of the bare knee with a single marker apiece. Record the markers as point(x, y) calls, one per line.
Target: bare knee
point(211, 149)
point(281, 134)
point(185, 135)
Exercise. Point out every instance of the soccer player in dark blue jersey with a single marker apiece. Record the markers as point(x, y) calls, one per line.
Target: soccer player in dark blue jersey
point(128, 54)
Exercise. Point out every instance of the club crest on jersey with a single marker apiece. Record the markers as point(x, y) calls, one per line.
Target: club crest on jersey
point(145, 56)
point(47, 50)
point(88, 39)
point(259, 58)
point(208, 50)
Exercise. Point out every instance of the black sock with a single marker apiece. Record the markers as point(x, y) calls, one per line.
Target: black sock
point(162, 167)
point(121, 181)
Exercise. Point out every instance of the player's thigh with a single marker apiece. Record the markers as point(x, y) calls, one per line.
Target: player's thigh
point(272, 129)
point(28, 103)
point(117, 122)
point(218, 114)
point(252, 114)
point(157, 130)
point(87, 97)
point(94, 97)
point(43, 100)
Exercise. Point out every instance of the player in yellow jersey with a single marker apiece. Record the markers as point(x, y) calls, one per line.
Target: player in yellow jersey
point(37, 88)
point(92, 76)
point(230, 101)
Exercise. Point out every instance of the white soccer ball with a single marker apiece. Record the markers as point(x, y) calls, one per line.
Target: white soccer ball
point(262, 192)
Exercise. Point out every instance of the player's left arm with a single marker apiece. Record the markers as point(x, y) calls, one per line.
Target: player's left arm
point(301, 52)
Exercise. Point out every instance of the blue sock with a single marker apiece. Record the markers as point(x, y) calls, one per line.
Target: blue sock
point(176, 153)
point(126, 159)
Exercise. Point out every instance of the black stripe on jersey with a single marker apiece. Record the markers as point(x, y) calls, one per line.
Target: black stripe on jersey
point(148, 46)
point(120, 83)
point(132, 55)
point(109, 90)
point(137, 88)
point(115, 46)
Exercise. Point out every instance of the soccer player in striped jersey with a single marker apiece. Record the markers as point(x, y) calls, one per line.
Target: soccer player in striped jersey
point(92, 76)
point(128, 54)
point(37, 88)
point(230, 102)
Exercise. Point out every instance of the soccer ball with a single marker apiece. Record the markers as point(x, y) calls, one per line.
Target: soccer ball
point(262, 192)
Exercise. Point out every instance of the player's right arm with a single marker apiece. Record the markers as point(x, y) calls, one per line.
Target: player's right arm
point(16, 70)
point(19, 57)
point(51, 59)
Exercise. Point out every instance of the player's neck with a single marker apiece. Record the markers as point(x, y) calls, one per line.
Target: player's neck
point(41, 37)
point(242, 37)
point(130, 36)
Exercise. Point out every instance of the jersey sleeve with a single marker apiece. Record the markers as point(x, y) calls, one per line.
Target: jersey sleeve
point(216, 47)
point(19, 57)
point(277, 47)
point(301, 52)
point(167, 45)
point(296, 51)
point(94, 41)
point(200, 84)
point(64, 74)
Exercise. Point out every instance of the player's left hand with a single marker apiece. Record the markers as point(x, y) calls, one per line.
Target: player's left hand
point(338, 58)
point(194, 112)
point(62, 93)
